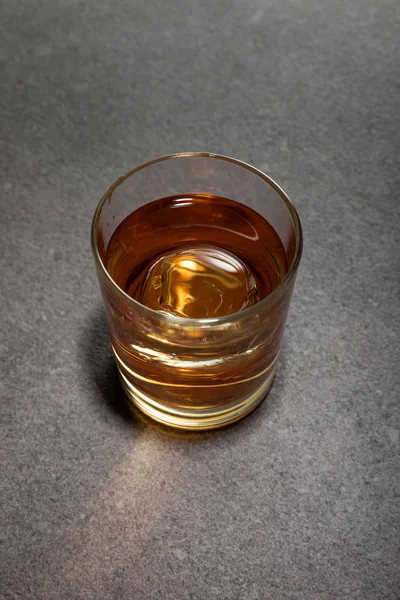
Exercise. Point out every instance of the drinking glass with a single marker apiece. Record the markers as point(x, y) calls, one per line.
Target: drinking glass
point(185, 372)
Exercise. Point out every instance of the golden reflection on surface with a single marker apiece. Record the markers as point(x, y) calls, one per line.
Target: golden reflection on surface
point(199, 282)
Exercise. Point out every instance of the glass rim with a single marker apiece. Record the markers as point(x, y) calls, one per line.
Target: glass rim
point(186, 321)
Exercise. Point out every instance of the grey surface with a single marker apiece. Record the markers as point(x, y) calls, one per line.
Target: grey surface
point(300, 500)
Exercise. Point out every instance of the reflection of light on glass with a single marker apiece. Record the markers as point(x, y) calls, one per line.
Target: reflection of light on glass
point(183, 202)
point(190, 265)
point(174, 360)
point(223, 264)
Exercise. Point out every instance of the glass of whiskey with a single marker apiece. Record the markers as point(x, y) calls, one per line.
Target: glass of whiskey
point(196, 256)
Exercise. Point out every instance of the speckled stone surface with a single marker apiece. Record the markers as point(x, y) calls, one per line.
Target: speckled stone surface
point(300, 501)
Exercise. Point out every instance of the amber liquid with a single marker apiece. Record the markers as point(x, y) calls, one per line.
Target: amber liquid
point(199, 257)
point(196, 256)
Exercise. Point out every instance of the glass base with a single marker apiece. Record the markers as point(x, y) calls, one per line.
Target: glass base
point(196, 420)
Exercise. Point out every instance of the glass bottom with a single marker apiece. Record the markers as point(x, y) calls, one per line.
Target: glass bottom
point(196, 420)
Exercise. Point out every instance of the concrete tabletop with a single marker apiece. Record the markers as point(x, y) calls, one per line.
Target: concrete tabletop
point(301, 499)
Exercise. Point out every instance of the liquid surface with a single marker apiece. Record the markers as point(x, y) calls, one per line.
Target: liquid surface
point(196, 256)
